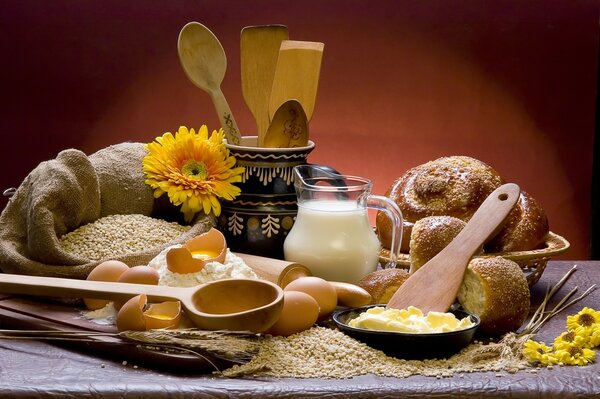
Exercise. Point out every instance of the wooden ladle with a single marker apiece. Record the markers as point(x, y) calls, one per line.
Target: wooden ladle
point(435, 285)
point(203, 60)
point(289, 127)
point(231, 304)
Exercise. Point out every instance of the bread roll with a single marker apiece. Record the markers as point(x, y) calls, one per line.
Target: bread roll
point(382, 284)
point(429, 236)
point(496, 290)
point(449, 186)
point(526, 227)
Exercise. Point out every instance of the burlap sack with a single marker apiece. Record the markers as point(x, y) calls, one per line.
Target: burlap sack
point(65, 193)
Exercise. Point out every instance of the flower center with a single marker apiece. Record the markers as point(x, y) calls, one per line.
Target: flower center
point(586, 319)
point(574, 351)
point(569, 337)
point(195, 169)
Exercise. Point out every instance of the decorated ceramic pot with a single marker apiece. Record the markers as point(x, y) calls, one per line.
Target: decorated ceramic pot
point(258, 221)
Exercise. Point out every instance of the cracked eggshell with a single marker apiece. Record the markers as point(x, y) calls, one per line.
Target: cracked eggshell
point(197, 252)
point(131, 315)
point(163, 315)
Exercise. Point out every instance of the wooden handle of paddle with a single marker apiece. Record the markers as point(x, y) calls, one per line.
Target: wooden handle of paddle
point(434, 286)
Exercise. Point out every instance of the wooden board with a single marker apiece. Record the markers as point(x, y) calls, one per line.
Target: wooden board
point(30, 314)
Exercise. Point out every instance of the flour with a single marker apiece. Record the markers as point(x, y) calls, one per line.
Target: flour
point(104, 316)
point(234, 267)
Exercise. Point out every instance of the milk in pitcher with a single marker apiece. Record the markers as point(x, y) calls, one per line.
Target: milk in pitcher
point(334, 239)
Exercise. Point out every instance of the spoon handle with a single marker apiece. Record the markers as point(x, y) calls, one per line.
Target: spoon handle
point(71, 288)
point(232, 133)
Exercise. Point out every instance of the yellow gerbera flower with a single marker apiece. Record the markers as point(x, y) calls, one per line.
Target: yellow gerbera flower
point(575, 355)
point(193, 169)
point(586, 317)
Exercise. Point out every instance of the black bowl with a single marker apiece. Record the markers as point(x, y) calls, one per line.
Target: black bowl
point(406, 345)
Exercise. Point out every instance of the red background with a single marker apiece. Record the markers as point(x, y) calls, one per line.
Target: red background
point(512, 83)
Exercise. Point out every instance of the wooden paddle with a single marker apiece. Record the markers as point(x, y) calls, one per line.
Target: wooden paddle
point(435, 285)
point(259, 49)
point(296, 75)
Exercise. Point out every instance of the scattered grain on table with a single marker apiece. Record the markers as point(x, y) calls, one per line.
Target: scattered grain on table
point(118, 235)
point(327, 353)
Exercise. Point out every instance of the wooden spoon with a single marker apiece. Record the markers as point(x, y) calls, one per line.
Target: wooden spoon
point(203, 60)
point(296, 75)
point(259, 49)
point(435, 285)
point(232, 304)
point(288, 128)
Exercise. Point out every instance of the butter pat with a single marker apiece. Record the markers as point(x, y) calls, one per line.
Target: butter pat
point(410, 320)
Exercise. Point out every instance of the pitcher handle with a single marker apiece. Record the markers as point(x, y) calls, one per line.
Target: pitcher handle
point(393, 211)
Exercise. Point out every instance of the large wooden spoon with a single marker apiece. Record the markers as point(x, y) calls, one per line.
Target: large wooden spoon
point(297, 75)
point(232, 304)
point(288, 128)
point(435, 285)
point(203, 60)
point(259, 49)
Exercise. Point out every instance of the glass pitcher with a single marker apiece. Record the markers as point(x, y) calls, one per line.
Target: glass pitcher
point(332, 235)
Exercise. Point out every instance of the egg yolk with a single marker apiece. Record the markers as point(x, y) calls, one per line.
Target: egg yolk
point(204, 254)
point(162, 316)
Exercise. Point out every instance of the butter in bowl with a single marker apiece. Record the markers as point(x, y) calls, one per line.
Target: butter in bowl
point(414, 335)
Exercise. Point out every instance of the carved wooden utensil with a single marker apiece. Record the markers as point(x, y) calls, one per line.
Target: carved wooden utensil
point(203, 60)
point(296, 75)
point(232, 304)
point(435, 285)
point(288, 128)
point(259, 50)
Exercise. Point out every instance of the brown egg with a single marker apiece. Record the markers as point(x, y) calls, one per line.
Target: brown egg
point(197, 252)
point(131, 316)
point(110, 271)
point(163, 315)
point(299, 313)
point(138, 275)
point(320, 290)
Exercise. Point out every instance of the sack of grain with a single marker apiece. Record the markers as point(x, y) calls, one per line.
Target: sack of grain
point(71, 212)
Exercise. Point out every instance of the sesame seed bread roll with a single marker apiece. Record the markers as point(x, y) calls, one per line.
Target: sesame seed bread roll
point(429, 236)
point(496, 290)
point(382, 284)
point(448, 186)
point(526, 227)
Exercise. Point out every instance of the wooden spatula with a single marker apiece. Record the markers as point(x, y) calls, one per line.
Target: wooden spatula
point(297, 75)
point(259, 50)
point(435, 285)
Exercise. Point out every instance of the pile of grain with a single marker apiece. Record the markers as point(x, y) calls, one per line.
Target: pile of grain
point(325, 353)
point(118, 235)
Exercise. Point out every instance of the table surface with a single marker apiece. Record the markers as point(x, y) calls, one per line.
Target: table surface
point(36, 369)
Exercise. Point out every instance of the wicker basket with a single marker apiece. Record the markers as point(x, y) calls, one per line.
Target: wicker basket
point(532, 262)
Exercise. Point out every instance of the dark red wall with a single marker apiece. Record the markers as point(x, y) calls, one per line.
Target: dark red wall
point(403, 82)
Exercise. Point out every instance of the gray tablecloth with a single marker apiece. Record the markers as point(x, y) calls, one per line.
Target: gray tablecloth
point(35, 369)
